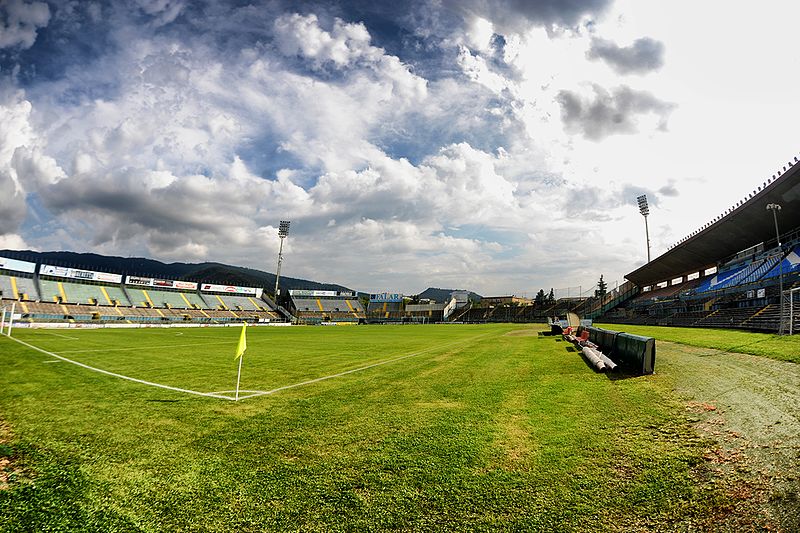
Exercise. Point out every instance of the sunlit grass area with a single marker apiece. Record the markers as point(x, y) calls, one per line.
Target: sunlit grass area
point(463, 427)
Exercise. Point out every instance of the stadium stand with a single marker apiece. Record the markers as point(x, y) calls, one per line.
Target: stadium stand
point(385, 307)
point(61, 298)
point(749, 263)
point(17, 288)
point(428, 312)
point(313, 307)
point(173, 299)
point(243, 303)
point(139, 297)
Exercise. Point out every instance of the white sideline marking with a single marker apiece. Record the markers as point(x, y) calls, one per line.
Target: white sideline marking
point(113, 374)
point(52, 361)
point(340, 374)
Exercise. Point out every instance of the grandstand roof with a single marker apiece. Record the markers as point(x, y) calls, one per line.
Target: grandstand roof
point(747, 225)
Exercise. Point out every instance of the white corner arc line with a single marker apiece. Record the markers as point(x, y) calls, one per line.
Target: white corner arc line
point(120, 376)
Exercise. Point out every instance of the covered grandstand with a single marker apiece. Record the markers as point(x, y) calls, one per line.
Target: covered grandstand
point(729, 272)
point(316, 307)
point(58, 294)
point(386, 307)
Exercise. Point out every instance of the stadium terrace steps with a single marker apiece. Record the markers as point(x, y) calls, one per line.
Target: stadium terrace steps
point(766, 318)
point(761, 271)
point(730, 317)
point(686, 318)
point(339, 309)
point(168, 299)
point(788, 265)
point(81, 294)
point(7, 291)
point(739, 277)
point(26, 288)
point(714, 282)
point(17, 288)
point(49, 288)
point(239, 303)
point(104, 313)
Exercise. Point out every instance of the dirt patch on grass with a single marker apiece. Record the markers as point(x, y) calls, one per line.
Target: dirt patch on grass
point(10, 471)
point(750, 407)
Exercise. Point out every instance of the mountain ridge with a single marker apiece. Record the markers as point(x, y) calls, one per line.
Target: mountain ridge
point(206, 272)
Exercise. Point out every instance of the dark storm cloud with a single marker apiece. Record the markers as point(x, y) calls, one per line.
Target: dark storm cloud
point(644, 55)
point(518, 15)
point(608, 113)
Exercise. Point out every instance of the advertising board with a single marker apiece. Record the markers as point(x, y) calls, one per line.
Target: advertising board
point(385, 297)
point(83, 275)
point(19, 266)
point(304, 293)
point(161, 283)
point(231, 289)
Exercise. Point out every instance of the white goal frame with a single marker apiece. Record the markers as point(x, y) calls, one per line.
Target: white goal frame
point(789, 295)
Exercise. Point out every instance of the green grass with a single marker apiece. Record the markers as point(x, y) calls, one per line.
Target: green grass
point(782, 348)
point(483, 429)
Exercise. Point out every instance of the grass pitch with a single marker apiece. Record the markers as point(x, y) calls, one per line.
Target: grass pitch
point(464, 427)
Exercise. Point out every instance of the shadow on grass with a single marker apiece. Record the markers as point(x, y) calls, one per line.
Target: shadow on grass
point(612, 375)
point(618, 375)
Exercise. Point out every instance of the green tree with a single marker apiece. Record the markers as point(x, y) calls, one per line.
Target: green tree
point(601, 287)
point(551, 298)
point(540, 297)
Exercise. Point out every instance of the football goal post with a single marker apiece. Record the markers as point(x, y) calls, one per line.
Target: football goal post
point(790, 308)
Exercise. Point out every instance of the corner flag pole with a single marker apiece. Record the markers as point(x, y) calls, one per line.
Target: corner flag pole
point(240, 349)
point(238, 379)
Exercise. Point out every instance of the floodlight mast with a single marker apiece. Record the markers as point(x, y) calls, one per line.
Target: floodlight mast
point(775, 208)
point(644, 209)
point(283, 232)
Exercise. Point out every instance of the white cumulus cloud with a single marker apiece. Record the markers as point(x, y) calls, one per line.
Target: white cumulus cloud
point(20, 21)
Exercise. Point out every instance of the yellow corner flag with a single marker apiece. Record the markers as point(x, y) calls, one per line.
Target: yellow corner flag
point(242, 346)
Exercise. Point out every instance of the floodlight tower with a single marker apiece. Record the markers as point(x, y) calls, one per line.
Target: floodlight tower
point(283, 232)
point(644, 209)
point(775, 208)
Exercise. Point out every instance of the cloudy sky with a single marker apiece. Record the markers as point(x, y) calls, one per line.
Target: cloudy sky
point(492, 145)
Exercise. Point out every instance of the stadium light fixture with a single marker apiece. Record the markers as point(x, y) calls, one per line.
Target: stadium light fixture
point(283, 232)
point(644, 210)
point(775, 208)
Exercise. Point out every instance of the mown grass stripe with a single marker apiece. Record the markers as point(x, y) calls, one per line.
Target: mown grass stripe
point(367, 367)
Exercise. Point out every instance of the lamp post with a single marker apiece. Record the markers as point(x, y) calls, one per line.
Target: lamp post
point(283, 232)
point(644, 209)
point(775, 208)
